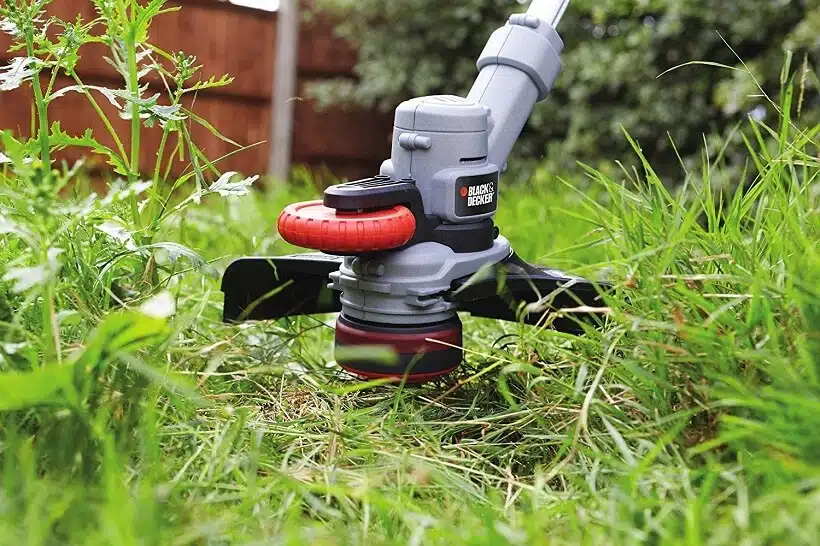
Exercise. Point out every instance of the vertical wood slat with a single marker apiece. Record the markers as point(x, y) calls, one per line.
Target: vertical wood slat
point(351, 142)
point(225, 41)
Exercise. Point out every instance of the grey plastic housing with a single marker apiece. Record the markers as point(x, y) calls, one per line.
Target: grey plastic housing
point(457, 131)
point(455, 148)
point(406, 287)
point(439, 139)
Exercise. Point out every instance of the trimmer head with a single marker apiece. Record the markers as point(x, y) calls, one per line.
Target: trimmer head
point(403, 252)
point(272, 288)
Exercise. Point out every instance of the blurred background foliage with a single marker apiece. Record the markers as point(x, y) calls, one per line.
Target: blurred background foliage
point(618, 72)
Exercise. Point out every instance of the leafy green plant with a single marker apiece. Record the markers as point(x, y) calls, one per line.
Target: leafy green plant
point(123, 27)
point(72, 259)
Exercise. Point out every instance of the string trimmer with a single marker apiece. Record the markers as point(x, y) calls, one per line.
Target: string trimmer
point(403, 252)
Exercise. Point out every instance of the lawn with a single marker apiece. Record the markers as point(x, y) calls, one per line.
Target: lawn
point(691, 418)
point(129, 414)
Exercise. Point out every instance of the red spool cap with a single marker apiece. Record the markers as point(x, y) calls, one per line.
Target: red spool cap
point(424, 353)
point(315, 226)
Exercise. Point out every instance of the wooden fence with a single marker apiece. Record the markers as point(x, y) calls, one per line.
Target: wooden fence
point(227, 39)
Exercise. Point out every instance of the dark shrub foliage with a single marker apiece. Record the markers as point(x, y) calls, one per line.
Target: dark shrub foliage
point(616, 51)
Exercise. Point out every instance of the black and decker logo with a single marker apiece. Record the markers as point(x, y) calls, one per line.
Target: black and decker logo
point(476, 195)
point(481, 195)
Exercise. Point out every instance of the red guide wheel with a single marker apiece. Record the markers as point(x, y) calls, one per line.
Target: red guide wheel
point(315, 226)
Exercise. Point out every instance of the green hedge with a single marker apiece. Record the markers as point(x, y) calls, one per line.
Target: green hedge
point(616, 51)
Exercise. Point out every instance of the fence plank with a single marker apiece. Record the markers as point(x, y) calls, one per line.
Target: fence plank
point(321, 54)
point(341, 133)
point(240, 43)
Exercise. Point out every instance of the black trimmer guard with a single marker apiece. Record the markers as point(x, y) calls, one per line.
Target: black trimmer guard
point(260, 288)
point(513, 290)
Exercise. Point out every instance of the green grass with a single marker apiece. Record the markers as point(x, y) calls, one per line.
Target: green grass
point(130, 415)
point(691, 418)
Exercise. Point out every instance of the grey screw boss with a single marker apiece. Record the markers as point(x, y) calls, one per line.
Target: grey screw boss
point(404, 251)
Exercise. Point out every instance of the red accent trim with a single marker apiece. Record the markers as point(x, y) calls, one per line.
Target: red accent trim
point(402, 343)
point(412, 378)
point(313, 225)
